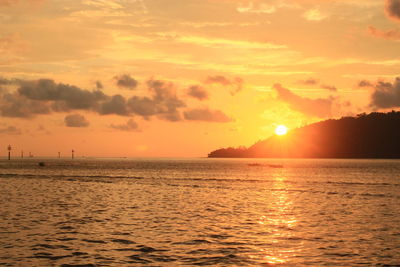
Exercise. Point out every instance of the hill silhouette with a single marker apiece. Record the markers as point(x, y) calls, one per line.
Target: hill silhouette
point(374, 135)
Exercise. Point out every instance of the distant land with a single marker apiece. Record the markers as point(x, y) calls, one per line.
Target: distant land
point(374, 135)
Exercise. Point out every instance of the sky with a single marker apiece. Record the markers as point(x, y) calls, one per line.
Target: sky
point(169, 78)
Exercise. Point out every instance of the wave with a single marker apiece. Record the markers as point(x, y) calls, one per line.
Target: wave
point(67, 177)
point(111, 178)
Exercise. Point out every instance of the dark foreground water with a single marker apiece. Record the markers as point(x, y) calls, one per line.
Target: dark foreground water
point(172, 212)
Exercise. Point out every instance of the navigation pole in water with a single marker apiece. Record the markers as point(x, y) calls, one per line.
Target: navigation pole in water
point(73, 153)
point(9, 152)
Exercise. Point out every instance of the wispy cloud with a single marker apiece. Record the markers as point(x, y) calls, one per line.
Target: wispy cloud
point(393, 34)
point(10, 130)
point(314, 15)
point(256, 8)
point(220, 42)
point(320, 107)
point(315, 82)
point(236, 84)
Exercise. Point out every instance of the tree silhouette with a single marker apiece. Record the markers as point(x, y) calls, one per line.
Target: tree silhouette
point(374, 135)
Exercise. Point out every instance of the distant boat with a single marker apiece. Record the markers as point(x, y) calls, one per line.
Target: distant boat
point(275, 165)
point(254, 164)
point(42, 164)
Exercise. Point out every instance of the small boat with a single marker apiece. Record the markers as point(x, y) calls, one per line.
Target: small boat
point(254, 164)
point(42, 164)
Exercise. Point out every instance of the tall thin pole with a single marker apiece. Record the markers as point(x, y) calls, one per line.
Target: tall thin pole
point(22, 154)
point(72, 153)
point(59, 154)
point(9, 152)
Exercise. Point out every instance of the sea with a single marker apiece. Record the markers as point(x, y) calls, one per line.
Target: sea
point(199, 212)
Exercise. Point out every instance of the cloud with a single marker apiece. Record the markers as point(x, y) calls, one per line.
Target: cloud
point(45, 96)
point(310, 81)
point(253, 8)
point(329, 87)
point(236, 83)
point(115, 105)
point(10, 130)
point(218, 79)
point(164, 92)
point(143, 106)
point(171, 116)
point(388, 34)
point(313, 107)
point(264, 8)
point(220, 43)
point(392, 8)
point(163, 102)
point(315, 82)
point(126, 81)
point(12, 2)
point(314, 15)
point(71, 97)
point(197, 92)
point(99, 85)
point(205, 114)
point(4, 81)
point(17, 106)
point(365, 83)
point(386, 94)
point(130, 126)
point(76, 120)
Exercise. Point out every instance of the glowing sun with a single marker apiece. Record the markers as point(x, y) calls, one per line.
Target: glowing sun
point(281, 130)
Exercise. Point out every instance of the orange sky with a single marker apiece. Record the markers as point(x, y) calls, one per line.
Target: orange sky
point(142, 78)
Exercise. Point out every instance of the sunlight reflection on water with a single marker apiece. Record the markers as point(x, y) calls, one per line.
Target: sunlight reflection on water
point(279, 220)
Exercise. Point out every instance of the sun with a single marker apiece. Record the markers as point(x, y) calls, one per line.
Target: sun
point(281, 130)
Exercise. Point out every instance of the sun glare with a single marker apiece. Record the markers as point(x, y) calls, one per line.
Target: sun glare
point(281, 130)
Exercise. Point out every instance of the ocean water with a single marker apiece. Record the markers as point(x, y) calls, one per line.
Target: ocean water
point(183, 212)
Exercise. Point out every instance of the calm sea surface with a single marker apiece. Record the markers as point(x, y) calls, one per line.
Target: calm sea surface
point(218, 212)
